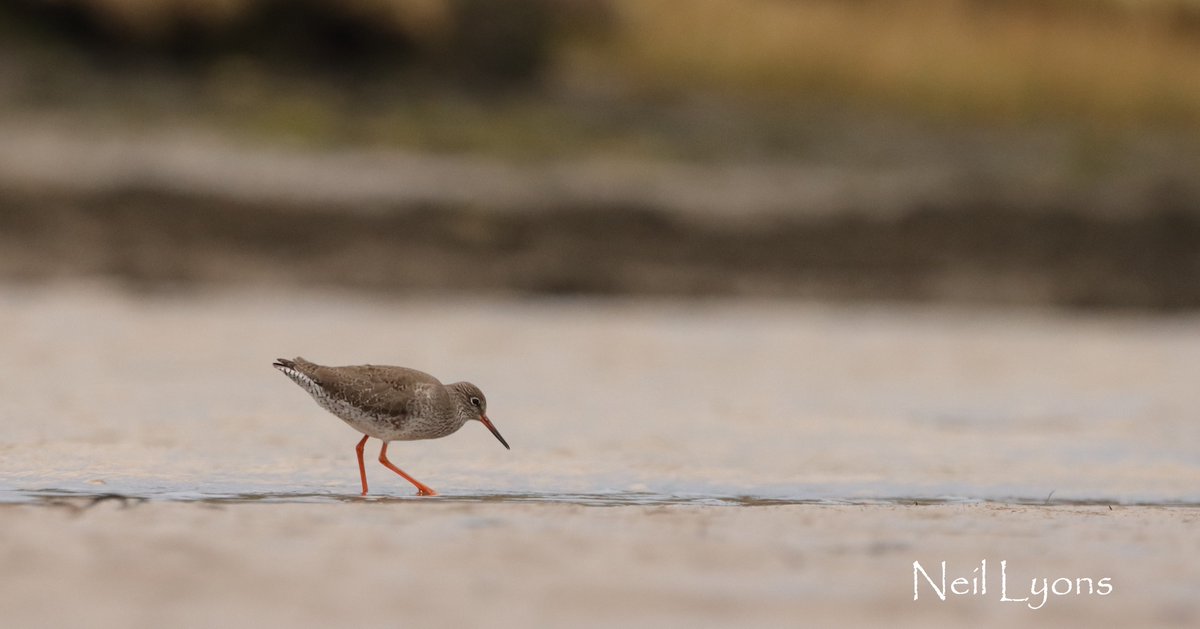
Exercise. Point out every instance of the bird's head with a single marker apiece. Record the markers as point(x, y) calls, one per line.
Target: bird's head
point(472, 405)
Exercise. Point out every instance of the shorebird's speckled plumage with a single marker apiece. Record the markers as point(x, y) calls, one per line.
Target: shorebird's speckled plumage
point(390, 403)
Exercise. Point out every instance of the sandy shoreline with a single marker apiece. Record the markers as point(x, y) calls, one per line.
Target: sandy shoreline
point(423, 563)
point(107, 391)
point(172, 397)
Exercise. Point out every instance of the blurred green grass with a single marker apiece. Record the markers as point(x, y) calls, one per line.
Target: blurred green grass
point(544, 77)
point(1102, 61)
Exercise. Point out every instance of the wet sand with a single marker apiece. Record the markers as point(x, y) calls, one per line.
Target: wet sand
point(679, 463)
point(512, 565)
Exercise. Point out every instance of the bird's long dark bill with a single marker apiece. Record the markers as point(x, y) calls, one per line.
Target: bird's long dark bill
point(487, 422)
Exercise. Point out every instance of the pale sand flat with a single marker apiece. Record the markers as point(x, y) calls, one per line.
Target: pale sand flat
point(497, 565)
point(110, 392)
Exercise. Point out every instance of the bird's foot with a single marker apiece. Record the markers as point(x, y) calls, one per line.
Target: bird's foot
point(426, 491)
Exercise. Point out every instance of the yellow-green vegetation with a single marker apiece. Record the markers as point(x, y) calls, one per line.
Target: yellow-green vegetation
point(1103, 61)
point(409, 70)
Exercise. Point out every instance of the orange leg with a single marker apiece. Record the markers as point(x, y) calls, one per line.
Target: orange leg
point(422, 490)
point(362, 469)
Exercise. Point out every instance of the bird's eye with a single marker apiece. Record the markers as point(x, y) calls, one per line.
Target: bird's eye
point(475, 402)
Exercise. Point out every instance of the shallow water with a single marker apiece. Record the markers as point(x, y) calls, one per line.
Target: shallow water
point(84, 499)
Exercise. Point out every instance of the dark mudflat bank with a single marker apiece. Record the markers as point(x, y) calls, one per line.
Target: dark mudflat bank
point(1043, 256)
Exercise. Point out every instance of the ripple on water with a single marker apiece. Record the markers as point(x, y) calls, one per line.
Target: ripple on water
point(87, 499)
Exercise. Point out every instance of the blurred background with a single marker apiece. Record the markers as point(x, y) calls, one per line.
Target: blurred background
point(983, 151)
point(885, 253)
